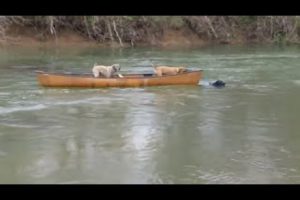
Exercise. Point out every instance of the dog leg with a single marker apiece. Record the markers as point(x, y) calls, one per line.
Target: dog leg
point(96, 73)
point(158, 72)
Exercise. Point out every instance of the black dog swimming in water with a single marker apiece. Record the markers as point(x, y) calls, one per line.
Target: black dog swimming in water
point(218, 84)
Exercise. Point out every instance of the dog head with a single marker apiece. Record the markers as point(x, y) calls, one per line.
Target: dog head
point(116, 67)
point(218, 84)
point(181, 69)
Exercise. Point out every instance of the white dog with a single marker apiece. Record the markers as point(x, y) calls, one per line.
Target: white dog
point(107, 71)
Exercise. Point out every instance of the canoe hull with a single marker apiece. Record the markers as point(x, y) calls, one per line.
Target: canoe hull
point(137, 80)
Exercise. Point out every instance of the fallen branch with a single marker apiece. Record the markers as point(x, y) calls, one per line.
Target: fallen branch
point(115, 29)
point(211, 26)
point(109, 30)
point(52, 29)
point(87, 27)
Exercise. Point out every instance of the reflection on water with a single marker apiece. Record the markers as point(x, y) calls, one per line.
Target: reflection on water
point(246, 132)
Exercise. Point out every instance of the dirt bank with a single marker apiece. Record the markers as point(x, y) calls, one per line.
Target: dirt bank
point(26, 37)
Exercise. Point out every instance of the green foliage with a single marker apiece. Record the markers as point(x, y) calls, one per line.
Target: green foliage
point(176, 21)
point(246, 20)
point(131, 18)
point(279, 37)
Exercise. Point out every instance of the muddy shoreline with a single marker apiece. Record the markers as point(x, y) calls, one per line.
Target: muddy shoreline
point(170, 39)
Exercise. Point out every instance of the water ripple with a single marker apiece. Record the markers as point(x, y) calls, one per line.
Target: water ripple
point(22, 108)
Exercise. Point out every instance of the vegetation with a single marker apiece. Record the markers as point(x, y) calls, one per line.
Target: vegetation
point(149, 29)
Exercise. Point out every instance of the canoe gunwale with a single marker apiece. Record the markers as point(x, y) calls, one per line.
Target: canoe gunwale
point(130, 76)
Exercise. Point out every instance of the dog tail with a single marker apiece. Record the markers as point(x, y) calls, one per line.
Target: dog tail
point(154, 66)
point(152, 63)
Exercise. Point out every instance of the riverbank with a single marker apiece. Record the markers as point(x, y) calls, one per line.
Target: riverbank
point(27, 37)
point(147, 31)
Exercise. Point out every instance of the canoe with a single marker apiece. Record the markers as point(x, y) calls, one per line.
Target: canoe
point(128, 80)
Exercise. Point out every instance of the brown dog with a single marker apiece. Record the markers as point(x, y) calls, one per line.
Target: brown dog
point(167, 70)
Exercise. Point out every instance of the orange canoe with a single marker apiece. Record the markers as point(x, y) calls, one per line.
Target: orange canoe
point(128, 80)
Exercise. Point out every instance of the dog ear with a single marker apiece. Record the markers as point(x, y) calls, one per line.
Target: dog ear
point(116, 67)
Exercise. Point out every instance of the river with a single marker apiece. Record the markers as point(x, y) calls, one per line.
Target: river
point(247, 132)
